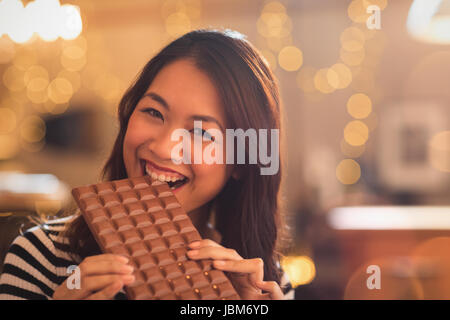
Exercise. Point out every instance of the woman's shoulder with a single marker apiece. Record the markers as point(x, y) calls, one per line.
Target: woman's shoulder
point(45, 242)
point(36, 262)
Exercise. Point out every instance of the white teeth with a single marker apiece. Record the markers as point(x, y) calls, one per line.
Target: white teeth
point(161, 177)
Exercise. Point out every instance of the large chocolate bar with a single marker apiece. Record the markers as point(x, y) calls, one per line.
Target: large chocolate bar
point(142, 220)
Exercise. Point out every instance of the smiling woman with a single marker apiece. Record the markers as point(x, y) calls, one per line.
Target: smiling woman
point(217, 77)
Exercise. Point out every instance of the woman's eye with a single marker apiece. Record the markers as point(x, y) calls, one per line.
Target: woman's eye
point(203, 133)
point(153, 112)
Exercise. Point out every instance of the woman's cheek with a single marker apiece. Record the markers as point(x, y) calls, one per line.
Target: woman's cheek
point(210, 178)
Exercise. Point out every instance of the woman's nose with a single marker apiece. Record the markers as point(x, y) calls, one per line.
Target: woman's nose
point(162, 145)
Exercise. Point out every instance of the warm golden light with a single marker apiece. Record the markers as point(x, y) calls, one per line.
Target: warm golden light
point(8, 120)
point(34, 72)
point(7, 50)
point(60, 90)
point(357, 11)
point(108, 87)
point(277, 43)
point(9, 146)
point(47, 208)
point(290, 58)
point(352, 39)
point(73, 58)
point(356, 133)
point(37, 90)
point(305, 79)
point(439, 151)
point(353, 58)
point(352, 151)
point(73, 77)
point(25, 58)
point(300, 269)
point(32, 129)
point(47, 18)
point(321, 81)
point(348, 171)
point(13, 78)
point(339, 76)
point(177, 24)
point(359, 106)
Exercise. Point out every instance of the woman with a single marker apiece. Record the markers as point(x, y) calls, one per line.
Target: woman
point(211, 76)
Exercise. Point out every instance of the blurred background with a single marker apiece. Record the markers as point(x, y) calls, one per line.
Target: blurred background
point(364, 85)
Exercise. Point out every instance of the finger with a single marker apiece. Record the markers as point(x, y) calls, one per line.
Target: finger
point(204, 243)
point(253, 267)
point(107, 293)
point(273, 288)
point(216, 253)
point(106, 257)
point(96, 283)
point(102, 267)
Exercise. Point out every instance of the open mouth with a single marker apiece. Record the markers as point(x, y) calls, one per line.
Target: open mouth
point(174, 179)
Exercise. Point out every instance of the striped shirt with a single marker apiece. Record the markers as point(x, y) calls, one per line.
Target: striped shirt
point(37, 263)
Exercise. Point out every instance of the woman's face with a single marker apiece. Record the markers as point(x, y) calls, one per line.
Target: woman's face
point(179, 94)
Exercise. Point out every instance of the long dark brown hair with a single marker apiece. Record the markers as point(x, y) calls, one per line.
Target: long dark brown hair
point(247, 209)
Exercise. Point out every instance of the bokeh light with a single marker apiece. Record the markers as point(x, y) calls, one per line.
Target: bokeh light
point(356, 133)
point(73, 58)
point(321, 81)
point(339, 76)
point(348, 171)
point(13, 78)
point(359, 106)
point(290, 58)
point(439, 151)
point(34, 72)
point(357, 11)
point(32, 129)
point(300, 269)
point(60, 90)
point(352, 39)
point(37, 90)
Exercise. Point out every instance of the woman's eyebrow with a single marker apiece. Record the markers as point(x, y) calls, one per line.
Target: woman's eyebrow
point(158, 99)
point(164, 103)
point(207, 119)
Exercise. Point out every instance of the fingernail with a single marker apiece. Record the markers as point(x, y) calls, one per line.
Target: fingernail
point(193, 252)
point(194, 244)
point(219, 263)
point(127, 269)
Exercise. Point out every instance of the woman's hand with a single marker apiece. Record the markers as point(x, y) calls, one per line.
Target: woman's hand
point(247, 275)
point(102, 277)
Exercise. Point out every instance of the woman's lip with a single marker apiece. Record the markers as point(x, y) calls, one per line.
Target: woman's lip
point(161, 169)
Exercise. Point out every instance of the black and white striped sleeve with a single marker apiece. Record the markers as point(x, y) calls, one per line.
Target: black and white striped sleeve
point(32, 268)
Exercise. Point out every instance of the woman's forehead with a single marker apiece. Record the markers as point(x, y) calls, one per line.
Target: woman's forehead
point(187, 90)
